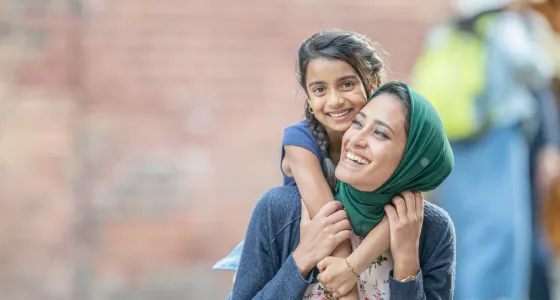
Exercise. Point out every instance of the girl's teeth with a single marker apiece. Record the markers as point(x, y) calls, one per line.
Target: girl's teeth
point(340, 114)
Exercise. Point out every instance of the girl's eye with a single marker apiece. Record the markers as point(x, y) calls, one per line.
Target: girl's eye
point(348, 85)
point(357, 123)
point(319, 90)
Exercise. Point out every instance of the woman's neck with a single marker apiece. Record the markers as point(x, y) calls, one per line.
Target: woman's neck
point(335, 139)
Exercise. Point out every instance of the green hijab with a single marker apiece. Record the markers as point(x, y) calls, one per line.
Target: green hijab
point(426, 163)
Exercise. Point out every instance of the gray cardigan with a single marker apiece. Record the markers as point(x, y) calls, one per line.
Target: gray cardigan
point(268, 271)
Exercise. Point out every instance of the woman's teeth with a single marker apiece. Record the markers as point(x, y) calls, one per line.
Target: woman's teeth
point(357, 159)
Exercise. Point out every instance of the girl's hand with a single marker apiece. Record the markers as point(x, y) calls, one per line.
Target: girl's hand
point(335, 276)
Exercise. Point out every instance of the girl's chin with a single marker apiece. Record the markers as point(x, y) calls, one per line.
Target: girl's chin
point(339, 128)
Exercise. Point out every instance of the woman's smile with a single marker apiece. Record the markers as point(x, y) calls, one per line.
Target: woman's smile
point(356, 158)
point(353, 161)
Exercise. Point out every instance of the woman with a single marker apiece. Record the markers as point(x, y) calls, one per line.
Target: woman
point(397, 143)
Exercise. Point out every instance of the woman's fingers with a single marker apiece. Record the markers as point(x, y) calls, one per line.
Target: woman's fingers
point(329, 208)
point(400, 206)
point(341, 236)
point(341, 225)
point(337, 216)
point(419, 198)
point(391, 214)
point(410, 201)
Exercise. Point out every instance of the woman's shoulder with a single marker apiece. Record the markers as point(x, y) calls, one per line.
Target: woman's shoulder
point(436, 215)
point(437, 227)
point(280, 205)
point(281, 198)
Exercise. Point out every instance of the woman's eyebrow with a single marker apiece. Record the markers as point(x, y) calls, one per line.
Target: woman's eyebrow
point(377, 121)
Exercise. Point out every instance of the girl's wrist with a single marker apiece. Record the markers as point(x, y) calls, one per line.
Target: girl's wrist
point(356, 263)
point(350, 268)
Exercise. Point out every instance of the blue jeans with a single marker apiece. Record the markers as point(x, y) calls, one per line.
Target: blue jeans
point(489, 200)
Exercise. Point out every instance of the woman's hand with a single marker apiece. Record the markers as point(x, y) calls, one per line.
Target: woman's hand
point(321, 235)
point(405, 221)
point(335, 276)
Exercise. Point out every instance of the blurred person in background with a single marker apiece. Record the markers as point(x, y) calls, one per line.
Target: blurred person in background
point(488, 75)
point(545, 156)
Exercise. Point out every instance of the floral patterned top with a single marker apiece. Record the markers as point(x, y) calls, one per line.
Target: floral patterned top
point(373, 283)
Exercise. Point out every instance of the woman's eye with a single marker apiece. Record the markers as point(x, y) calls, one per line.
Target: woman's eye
point(380, 134)
point(357, 123)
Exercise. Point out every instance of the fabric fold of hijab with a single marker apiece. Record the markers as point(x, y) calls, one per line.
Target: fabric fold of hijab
point(427, 161)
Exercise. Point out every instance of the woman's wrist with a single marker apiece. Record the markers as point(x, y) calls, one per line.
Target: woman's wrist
point(406, 268)
point(304, 263)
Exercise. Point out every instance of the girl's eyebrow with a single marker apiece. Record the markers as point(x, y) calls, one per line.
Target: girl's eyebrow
point(350, 76)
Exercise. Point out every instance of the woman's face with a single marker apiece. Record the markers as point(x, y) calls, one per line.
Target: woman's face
point(373, 147)
point(335, 92)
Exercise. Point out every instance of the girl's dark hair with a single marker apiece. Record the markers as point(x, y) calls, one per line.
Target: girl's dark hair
point(399, 91)
point(352, 48)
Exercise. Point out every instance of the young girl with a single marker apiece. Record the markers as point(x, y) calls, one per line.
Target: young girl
point(338, 70)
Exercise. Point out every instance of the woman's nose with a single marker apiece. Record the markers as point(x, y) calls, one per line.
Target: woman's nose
point(358, 140)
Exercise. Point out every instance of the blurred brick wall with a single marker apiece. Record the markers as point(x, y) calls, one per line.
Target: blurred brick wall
point(136, 136)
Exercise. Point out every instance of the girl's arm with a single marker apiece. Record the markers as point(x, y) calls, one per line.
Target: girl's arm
point(374, 244)
point(306, 169)
point(315, 192)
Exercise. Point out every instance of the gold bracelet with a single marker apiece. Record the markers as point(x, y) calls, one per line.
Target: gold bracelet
point(351, 270)
point(407, 278)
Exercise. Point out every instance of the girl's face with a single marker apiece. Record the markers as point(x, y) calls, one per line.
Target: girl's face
point(336, 93)
point(373, 147)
